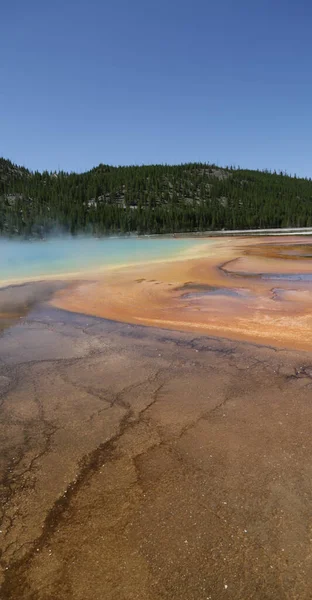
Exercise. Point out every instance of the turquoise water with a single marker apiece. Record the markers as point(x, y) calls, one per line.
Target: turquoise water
point(26, 259)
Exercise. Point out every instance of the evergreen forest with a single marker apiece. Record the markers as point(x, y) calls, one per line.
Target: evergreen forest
point(149, 199)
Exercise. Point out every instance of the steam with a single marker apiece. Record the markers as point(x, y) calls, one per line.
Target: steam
point(19, 299)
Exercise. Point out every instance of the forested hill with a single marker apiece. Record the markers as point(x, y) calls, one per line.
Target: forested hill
point(150, 199)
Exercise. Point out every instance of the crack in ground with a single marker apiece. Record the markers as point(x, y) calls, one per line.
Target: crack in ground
point(88, 466)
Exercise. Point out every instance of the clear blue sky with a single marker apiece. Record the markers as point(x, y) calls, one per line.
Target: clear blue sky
point(132, 82)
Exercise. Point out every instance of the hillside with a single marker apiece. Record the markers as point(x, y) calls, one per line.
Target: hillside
point(150, 199)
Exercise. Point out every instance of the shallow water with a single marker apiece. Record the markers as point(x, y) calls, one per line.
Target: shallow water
point(288, 276)
point(205, 294)
point(27, 259)
point(215, 291)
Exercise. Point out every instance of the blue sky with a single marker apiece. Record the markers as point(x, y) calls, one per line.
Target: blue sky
point(168, 81)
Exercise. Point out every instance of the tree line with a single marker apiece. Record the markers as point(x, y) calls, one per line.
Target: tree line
point(150, 199)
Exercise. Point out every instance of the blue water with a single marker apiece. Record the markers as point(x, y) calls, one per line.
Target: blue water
point(26, 259)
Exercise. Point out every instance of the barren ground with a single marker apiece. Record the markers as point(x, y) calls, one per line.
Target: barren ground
point(144, 464)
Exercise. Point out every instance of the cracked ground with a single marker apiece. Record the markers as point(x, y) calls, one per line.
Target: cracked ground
point(138, 463)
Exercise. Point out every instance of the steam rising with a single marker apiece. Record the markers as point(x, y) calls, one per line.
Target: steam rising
point(18, 299)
